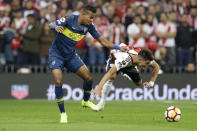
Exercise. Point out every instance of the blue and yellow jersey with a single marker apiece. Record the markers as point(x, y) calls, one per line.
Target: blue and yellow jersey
point(65, 42)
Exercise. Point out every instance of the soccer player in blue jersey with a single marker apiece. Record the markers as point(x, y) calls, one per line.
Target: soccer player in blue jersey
point(71, 29)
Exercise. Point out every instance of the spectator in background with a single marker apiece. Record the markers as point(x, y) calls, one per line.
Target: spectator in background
point(96, 52)
point(62, 8)
point(169, 8)
point(7, 8)
point(15, 5)
point(79, 5)
point(42, 15)
point(166, 32)
point(192, 19)
point(158, 10)
point(116, 31)
point(160, 57)
point(193, 3)
point(20, 22)
point(4, 22)
point(141, 13)
point(31, 41)
point(99, 3)
point(180, 8)
point(46, 39)
point(10, 34)
point(45, 3)
point(62, 13)
point(110, 13)
point(104, 19)
point(172, 17)
point(136, 33)
point(28, 9)
point(184, 42)
point(149, 29)
point(128, 17)
point(151, 10)
point(50, 14)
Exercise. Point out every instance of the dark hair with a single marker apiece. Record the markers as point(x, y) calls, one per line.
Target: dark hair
point(31, 16)
point(89, 8)
point(116, 15)
point(146, 54)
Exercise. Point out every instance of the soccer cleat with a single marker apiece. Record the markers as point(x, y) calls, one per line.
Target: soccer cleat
point(63, 118)
point(88, 104)
point(100, 106)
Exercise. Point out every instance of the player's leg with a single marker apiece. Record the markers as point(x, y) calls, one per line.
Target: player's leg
point(78, 67)
point(88, 80)
point(57, 76)
point(56, 66)
point(106, 87)
point(105, 92)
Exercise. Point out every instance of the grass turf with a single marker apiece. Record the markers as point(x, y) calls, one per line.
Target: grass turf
point(43, 115)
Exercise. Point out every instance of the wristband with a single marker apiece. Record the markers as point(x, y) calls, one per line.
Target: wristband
point(54, 26)
point(116, 47)
point(151, 83)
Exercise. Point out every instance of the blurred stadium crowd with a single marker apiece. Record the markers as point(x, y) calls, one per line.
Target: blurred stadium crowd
point(167, 27)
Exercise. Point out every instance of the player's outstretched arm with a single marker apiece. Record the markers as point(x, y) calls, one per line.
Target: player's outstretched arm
point(105, 78)
point(110, 45)
point(155, 72)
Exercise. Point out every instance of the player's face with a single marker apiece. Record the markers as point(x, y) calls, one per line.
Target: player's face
point(88, 17)
point(143, 63)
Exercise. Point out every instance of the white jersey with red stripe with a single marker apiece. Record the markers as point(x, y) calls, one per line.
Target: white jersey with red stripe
point(122, 59)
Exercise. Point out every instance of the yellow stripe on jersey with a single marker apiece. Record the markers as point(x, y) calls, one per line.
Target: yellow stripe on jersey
point(72, 35)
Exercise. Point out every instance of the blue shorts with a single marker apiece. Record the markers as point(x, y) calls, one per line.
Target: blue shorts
point(58, 62)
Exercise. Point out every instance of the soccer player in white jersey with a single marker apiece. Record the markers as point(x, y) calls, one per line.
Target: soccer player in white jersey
point(126, 64)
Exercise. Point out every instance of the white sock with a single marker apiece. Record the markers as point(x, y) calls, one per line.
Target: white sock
point(105, 91)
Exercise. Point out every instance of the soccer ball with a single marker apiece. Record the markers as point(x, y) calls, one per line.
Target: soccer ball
point(173, 114)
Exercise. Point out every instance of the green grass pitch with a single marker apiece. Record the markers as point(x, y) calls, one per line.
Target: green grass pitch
point(43, 115)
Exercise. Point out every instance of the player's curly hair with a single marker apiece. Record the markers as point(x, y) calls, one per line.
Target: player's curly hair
point(146, 54)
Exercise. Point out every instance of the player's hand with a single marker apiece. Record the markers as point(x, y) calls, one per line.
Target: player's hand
point(97, 91)
point(59, 29)
point(124, 49)
point(148, 84)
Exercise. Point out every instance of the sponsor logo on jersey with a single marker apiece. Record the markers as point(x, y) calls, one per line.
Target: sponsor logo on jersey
point(72, 35)
point(123, 62)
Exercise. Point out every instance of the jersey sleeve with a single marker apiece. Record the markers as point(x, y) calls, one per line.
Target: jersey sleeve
point(92, 30)
point(63, 20)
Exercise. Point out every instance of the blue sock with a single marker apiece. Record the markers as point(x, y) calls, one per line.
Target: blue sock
point(59, 98)
point(87, 90)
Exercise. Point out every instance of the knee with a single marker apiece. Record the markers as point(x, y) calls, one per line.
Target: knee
point(58, 82)
point(89, 79)
point(139, 83)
